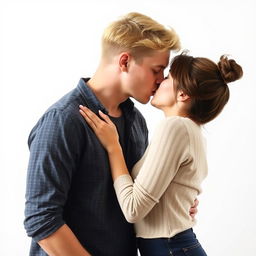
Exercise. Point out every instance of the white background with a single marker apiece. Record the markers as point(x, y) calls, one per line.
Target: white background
point(46, 46)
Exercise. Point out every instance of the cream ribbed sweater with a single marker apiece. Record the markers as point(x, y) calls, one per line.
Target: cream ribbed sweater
point(166, 180)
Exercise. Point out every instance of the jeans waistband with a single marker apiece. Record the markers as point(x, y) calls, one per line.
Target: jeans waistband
point(185, 232)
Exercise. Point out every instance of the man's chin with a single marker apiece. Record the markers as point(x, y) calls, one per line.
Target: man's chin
point(144, 101)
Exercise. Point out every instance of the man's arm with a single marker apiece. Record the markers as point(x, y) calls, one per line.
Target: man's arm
point(54, 153)
point(63, 242)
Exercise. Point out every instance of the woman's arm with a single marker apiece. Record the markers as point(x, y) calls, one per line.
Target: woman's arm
point(167, 151)
point(107, 133)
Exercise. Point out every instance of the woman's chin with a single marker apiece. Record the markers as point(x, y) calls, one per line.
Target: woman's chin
point(154, 104)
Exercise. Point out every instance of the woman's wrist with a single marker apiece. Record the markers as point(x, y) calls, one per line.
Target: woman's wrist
point(114, 148)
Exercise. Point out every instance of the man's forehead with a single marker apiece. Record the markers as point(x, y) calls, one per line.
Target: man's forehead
point(158, 59)
point(162, 60)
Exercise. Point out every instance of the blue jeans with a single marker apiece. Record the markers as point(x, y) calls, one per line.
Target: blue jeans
point(182, 244)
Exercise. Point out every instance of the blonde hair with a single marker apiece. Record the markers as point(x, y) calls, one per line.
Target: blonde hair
point(139, 35)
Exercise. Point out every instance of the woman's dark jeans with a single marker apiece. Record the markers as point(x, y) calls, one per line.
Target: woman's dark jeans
point(182, 244)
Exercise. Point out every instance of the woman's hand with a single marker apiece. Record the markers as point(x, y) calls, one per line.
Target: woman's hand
point(105, 130)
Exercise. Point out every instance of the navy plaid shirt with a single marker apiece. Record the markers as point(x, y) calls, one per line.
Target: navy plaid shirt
point(69, 179)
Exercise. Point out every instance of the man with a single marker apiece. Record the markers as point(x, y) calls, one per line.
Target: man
point(71, 206)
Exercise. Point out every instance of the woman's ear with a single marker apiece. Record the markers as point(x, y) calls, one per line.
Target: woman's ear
point(182, 97)
point(124, 59)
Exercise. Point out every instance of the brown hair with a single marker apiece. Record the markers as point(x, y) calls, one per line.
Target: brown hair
point(205, 82)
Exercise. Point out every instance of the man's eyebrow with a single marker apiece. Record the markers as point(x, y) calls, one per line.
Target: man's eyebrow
point(160, 66)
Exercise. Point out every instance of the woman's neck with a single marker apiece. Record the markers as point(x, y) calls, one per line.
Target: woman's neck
point(168, 112)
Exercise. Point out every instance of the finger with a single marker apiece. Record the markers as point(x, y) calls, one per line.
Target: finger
point(88, 120)
point(105, 117)
point(193, 211)
point(86, 110)
point(94, 118)
point(192, 215)
point(196, 202)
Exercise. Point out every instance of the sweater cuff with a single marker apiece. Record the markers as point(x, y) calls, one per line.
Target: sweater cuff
point(123, 180)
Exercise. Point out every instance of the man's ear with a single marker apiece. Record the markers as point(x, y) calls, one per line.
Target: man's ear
point(182, 96)
point(124, 59)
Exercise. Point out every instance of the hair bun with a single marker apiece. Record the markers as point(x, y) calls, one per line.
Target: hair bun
point(229, 69)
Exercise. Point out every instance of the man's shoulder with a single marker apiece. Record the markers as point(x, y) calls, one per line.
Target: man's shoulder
point(67, 103)
point(139, 115)
point(64, 111)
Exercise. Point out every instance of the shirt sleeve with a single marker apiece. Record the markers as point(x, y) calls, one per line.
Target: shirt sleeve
point(54, 150)
point(167, 151)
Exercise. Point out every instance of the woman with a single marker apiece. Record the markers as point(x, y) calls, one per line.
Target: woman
point(166, 181)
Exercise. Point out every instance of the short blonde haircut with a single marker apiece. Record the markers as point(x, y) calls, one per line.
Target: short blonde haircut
point(139, 35)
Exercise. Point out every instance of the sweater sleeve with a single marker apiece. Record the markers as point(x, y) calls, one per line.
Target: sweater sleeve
point(168, 150)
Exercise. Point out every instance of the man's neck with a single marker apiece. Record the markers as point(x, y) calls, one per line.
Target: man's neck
point(109, 94)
